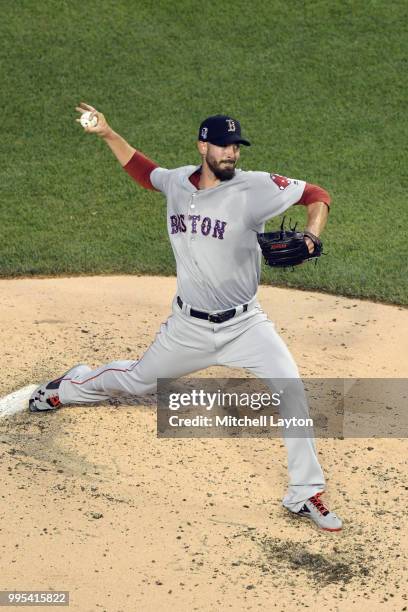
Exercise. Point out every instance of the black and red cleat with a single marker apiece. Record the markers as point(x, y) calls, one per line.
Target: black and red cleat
point(46, 396)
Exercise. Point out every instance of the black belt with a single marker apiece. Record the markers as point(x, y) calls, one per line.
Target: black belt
point(220, 317)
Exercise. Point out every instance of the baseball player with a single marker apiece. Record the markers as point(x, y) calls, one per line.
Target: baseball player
point(214, 212)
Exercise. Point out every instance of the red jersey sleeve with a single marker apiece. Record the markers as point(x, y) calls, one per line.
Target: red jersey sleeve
point(139, 167)
point(314, 193)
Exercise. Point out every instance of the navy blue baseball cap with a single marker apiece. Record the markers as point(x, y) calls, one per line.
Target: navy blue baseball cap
point(221, 130)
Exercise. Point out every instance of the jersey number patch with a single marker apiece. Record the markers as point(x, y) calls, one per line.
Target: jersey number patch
point(281, 181)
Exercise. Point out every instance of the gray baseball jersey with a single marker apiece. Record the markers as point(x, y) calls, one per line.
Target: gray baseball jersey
point(213, 232)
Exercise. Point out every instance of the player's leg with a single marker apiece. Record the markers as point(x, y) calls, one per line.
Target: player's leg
point(261, 350)
point(179, 348)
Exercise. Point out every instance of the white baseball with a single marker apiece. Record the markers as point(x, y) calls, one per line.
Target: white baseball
point(86, 122)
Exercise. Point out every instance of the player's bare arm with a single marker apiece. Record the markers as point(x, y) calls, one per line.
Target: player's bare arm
point(122, 150)
point(317, 214)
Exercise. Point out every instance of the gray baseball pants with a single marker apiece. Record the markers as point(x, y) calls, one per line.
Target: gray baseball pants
point(184, 345)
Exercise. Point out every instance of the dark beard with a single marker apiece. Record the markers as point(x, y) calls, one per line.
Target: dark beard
point(223, 174)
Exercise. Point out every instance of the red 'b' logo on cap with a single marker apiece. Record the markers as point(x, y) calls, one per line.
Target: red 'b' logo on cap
point(281, 181)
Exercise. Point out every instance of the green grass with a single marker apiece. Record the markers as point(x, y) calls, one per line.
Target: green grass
point(319, 87)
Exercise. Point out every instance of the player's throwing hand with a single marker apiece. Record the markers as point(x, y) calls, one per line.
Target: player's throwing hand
point(92, 120)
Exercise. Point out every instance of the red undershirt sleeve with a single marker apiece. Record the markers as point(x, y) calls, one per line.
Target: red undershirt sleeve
point(139, 167)
point(314, 193)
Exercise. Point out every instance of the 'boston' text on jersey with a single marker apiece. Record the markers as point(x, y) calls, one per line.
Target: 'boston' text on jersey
point(205, 225)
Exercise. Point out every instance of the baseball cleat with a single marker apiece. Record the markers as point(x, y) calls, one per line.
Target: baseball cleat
point(314, 509)
point(46, 397)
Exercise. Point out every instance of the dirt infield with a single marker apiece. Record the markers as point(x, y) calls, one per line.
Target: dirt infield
point(93, 503)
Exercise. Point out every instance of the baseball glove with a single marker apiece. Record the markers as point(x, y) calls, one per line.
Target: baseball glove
point(287, 248)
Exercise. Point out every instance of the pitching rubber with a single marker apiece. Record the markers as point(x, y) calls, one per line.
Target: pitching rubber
point(17, 401)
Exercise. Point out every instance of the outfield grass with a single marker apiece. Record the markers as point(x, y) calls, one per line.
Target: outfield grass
point(319, 88)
